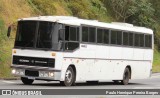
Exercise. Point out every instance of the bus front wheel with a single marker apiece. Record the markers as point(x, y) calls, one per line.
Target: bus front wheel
point(69, 77)
point(26, 81)
point(126, 77)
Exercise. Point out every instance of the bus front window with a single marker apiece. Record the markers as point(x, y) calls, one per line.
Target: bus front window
point(44, 35)
point(25, 34)
point(37, 34)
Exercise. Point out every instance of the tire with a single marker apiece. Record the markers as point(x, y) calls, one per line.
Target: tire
point(126, 77)
point(27, 81)
point(69, 77)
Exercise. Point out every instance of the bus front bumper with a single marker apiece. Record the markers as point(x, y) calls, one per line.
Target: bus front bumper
point(36, 73)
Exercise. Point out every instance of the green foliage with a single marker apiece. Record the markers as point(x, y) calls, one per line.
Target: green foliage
point(1, 36)
point(122, 9)
point(5, 55)
point(144, 14)
point(156, 6)
point(1, 26)
point(46, 7)
point(156, 61)
point(138, 12)
point(88, 9)
point(79, 9)
point(36, 10)
point(2, 30)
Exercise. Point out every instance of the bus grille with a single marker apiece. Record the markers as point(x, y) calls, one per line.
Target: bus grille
point(34, 61)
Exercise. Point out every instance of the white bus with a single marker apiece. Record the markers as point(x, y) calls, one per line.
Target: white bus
point(70, 50)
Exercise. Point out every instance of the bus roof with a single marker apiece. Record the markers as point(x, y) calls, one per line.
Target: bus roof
point(69, 20)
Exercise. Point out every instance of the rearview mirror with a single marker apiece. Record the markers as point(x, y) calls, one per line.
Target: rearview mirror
point(9, 31)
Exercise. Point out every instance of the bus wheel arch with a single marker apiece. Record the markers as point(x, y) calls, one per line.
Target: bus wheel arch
point(70, 76)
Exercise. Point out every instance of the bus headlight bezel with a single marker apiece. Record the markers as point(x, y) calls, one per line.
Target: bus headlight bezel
point(46, 74)
point(18, 71)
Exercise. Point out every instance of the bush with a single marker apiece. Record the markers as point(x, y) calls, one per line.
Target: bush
point(2, 31)
point(89, 9)
point(45, 6)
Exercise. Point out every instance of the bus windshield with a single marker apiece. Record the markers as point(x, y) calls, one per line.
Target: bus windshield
point(37, 34)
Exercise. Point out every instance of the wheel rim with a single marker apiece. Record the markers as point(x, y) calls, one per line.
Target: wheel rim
point(68, 76)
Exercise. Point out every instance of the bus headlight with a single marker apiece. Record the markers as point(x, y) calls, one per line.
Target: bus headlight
point(13, 71)
point(40, 74)
point(21, 72)
point(51, 74)
point(46, 74)
point(18, 71)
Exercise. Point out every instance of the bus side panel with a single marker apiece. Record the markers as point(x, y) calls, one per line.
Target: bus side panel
point(119, 69)
point(140, 70)
point(127, 53)
point(148, 54)
point(138, 54)
point(103, 69)
point(115, 53)
point(142, 64)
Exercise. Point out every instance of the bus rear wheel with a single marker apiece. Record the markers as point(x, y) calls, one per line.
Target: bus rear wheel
point(69, 77)
point(27, 81)
point(126, 77)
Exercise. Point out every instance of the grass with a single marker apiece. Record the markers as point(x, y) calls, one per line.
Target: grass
point(156, 60)
point(156, 69)
point(10, 11)
point(5, 55)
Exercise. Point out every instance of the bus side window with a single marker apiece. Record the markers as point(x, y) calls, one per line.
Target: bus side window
point(141, 40)
point(71, 38)
point(119, 38)
point(85, 34)
point(130, 39)
point(92, 34)
point(125, 38)
point(99, 35)
point(106, 36)
point(77, 34)
point(148, 41)
point(73, 34)
point(67, 33)
point(136, 40)
point(114, 37)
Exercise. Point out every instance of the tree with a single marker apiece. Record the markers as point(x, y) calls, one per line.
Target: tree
point(144, 16)
point(122, 9)
point(156, 6)
point(138, 12)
